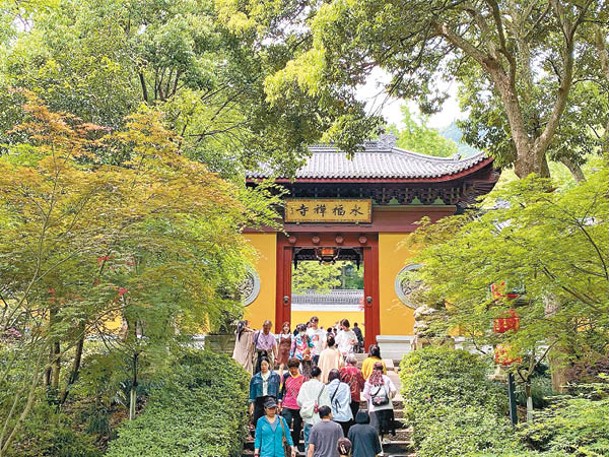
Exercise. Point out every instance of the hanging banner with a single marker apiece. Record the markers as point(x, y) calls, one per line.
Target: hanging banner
point(299, 210)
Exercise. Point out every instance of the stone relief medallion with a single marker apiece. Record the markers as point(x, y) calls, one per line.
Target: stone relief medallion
point(407, 287)
point(250, 288)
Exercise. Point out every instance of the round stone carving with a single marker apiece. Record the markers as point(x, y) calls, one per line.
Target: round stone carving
point(406, 286)
point(250, 288)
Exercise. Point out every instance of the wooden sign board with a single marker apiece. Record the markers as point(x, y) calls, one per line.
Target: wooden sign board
point(348, 211)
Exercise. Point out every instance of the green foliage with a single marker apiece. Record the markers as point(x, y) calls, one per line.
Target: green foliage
point(541, 392)
point(193, 60)
point(47, 433)
point(417, 137)
point(452, 406)
point(152, 242)
point(526, 92)
point(552, 240)
point(200, 411)
point(463, 431)
point(313, 276)
point(572, 425)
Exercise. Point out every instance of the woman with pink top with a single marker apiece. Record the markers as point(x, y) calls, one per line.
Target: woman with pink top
point(290, 387)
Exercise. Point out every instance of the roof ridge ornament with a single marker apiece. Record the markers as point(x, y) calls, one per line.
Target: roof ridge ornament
point(387, 141)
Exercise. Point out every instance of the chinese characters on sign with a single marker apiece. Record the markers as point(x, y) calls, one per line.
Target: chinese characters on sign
point(333, 211)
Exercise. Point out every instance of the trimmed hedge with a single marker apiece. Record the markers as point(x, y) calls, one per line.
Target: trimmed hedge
point(453, 408)
point(200, 411)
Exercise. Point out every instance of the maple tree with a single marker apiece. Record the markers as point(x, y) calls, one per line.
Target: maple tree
point(153, 241)
point(550, 240)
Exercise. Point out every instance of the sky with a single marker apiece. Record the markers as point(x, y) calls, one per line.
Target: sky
point(376, 100)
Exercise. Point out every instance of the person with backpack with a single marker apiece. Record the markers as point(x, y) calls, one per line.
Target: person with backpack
point(360, 338)
point(340, 401)
point(301, 350)
point(312, 395)
point(379, 390)
point(272, 433)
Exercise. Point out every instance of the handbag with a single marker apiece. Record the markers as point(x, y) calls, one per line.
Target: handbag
point(380, 400)
point(287, 449)
point(311, 407)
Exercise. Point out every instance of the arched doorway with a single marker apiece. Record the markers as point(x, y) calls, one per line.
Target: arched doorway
point(366, 243)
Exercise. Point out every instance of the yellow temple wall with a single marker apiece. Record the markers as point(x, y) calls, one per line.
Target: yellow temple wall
point(396, 318)
point(263, 307)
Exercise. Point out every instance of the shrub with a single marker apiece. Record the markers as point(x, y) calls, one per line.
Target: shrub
point(575, 426)
point(520, 454)
point(199, 411)
point(451, 432)
point(49, 433)
point(453, 408)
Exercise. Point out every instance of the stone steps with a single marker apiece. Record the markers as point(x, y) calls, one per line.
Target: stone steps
point(399, 445)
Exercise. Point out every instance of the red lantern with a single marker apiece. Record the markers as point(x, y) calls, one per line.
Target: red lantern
point(504, 324)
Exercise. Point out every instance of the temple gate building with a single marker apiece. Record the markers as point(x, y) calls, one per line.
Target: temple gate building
point(359, 209)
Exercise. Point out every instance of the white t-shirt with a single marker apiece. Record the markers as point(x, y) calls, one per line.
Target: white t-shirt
point(344, 341)
point(318, 336)
point(265, 382)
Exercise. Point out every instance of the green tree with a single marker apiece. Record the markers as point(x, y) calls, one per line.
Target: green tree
point(521, 59)
point(314, 276)
point(155, 243)
point(320, 278)
point(190, 59)
point(554, 242)
point(417, 137)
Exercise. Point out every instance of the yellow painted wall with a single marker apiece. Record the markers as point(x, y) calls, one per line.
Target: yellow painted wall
point(264, 306)
point(329, 318)
point(396, 318)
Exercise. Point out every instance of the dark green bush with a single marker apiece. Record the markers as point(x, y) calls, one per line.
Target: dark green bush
point(453, 407)
point(457, 432)
point(200, 411)
point(47, 433)
point(575, 426)
point(519, 454)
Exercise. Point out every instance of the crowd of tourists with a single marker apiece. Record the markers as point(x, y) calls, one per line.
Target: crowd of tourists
point(307, 382)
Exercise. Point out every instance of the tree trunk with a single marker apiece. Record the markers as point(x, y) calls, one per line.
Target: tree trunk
point(530, 161)
point(134, 381)
point(75, 368)
point(528, 389)
point(574, 168)
point(558, 354)
point(55, 361)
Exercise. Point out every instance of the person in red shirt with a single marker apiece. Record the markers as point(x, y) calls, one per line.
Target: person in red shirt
point(290, 387)
point(352, 376)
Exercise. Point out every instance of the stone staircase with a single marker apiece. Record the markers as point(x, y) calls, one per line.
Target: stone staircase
point(399, 445)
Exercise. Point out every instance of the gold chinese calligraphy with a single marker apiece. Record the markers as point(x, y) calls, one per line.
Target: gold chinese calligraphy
point(331, 210)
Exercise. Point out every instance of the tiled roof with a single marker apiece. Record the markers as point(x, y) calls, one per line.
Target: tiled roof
point(379, 160)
